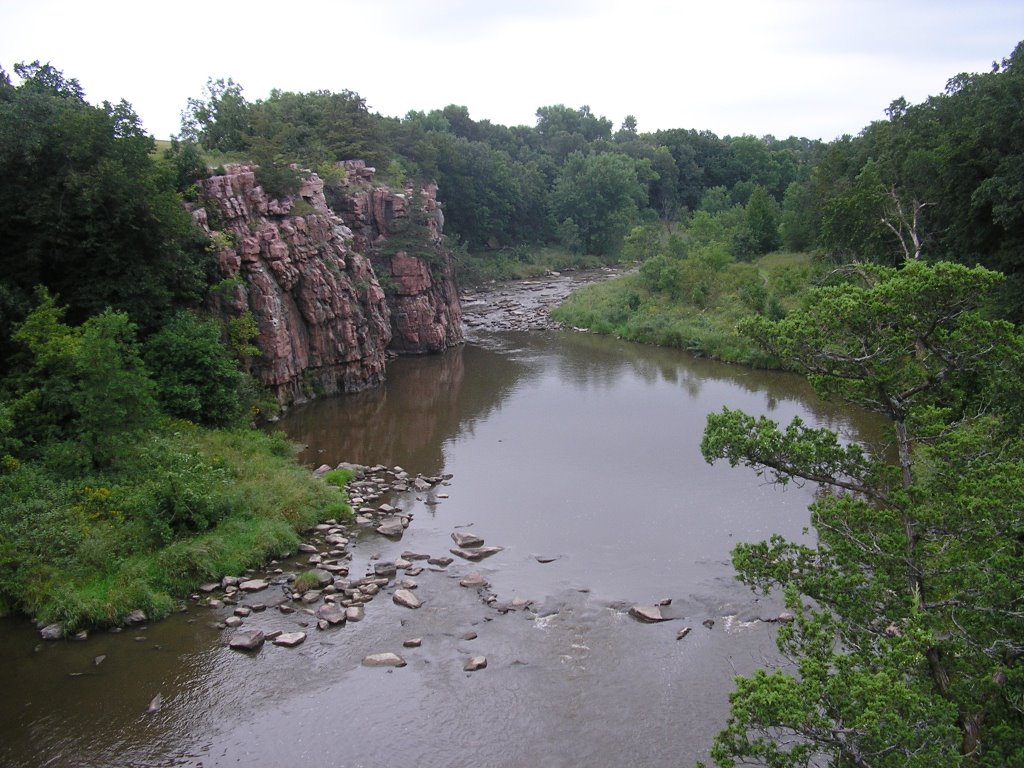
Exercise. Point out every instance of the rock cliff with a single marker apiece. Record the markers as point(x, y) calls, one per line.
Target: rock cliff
point(325, 319)
point(402, 233)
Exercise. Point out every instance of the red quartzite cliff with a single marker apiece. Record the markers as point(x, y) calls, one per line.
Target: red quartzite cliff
point(331, 294)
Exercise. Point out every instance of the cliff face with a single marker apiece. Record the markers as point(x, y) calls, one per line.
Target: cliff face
point(324, 318)
point(402, 234)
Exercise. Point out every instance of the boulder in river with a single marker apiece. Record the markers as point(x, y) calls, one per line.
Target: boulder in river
point(155, 705)
point(247, 640)
point(473, 580)
point(383, 660)
point(406, 599)
point(467, 540)
point(475, 554)
point(53, 631)
point(253, 585)
point(647, 613)
point(290, 639)
point(391, 526)
point(473, 663)
point(355, 613)
point(332, 614)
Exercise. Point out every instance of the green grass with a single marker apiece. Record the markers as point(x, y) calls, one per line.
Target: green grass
point(693, 304)
point(305, 581)
point(193, 505)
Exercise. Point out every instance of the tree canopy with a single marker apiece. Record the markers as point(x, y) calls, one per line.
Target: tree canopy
point(906, 643)
point(85, 212)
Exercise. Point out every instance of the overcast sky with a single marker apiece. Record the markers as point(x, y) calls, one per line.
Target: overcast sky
point(814, 68)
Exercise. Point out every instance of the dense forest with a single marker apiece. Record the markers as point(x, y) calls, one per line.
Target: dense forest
point(888, 267)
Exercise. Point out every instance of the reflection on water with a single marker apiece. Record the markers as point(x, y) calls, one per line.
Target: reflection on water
point(573, 447)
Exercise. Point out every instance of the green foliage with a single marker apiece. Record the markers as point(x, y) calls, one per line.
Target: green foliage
point(86, 211)
point(197, 378)
point(642, 243)
point(186, 163)
point(339, 478)
point(760, 234)
point(84, 384)
point(601, 194)
point(906, 639)
point(188, 506)
point(113, 394)
point(305, 581)
point(692, 302)
point(242, 332)
point(517, 263)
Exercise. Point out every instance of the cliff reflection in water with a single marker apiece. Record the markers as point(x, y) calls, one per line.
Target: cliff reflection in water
point(429, 400)
point(425, 401)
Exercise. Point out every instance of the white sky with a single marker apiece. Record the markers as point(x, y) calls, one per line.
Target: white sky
point(814, 68)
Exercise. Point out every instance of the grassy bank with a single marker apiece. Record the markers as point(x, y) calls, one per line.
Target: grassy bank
point(190, 505)
point(693, 303)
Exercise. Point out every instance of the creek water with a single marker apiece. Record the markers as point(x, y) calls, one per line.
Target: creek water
point(577, 454)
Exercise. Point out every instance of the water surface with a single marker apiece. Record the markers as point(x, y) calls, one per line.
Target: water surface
point(561, 445)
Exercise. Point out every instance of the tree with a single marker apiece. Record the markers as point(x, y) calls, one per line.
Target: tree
point(82, 388)
point(196, 376)
point(221, 120)
point(760, 232)
point(906, 643)
point(602, 195)
point(86, 212)
point(796, 225)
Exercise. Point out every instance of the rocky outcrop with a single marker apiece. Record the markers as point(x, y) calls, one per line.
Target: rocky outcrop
point(309, 278)
point(323, 322)
point(402, 233)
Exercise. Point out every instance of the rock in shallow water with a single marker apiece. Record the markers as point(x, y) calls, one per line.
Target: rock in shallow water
point(406, 599)
point(247, 640)
point(383, 660)
point(475, 554)
point(473, 663)
point(290, 639)
point(391, 526)
point(467, 540)
point(647, 613)
point(472, 580)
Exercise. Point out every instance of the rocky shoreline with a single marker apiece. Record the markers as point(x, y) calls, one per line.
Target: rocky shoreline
point(524, 305)
point(316, 589)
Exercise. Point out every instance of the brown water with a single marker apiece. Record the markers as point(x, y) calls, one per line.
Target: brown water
point(561, 445)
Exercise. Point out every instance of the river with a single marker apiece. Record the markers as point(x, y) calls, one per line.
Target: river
point(577, 454)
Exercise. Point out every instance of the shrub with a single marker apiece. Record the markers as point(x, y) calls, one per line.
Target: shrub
point(196, 376)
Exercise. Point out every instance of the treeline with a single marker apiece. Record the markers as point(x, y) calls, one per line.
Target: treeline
point(571, 179)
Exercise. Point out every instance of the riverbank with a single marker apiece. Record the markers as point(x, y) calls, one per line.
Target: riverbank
point(693, 303)
point(188, 504)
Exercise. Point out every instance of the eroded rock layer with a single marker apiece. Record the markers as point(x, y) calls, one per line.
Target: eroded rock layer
point(306, 276)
